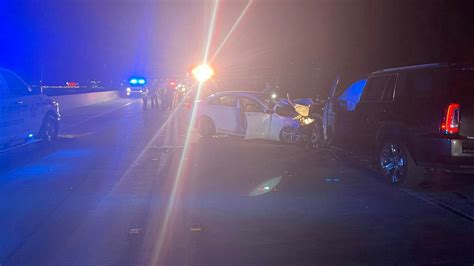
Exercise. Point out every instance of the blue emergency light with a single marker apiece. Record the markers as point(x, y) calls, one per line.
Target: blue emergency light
point(139, 81)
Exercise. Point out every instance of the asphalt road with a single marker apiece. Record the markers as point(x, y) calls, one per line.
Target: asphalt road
point(124, 186)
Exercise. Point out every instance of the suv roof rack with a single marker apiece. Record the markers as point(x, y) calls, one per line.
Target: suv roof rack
point(406, 68)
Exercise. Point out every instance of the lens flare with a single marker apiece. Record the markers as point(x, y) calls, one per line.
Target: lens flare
point(171, 206)
point(203, 72)
point(237, 22)
point(211, 31)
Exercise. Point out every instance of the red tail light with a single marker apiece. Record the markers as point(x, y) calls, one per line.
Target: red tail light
point(451, 119)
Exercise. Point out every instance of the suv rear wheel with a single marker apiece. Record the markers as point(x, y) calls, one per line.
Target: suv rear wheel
point(397, 165)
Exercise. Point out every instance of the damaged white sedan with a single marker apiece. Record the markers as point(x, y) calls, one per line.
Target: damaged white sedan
point(251, 115)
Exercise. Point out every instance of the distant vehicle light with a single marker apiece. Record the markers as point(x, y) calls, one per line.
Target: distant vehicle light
point(30, 135)
point(134, 81)
point(129, 89)
point(172, 83)
point(72, 84)
point(141, 81)
point(274, 96)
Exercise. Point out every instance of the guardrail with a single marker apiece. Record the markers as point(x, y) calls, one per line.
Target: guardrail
point(71, 101)
point(67, 90)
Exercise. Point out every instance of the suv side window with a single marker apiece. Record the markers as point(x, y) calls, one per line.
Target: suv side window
point(376, 87)
point(421, 85)
point(424, 85)
point(15, 86)
point(351, 96)
point(389, 91)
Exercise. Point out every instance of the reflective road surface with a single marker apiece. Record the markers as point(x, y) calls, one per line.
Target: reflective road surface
point(122, 186)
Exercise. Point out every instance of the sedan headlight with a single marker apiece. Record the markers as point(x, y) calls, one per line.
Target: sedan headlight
point(308, 121)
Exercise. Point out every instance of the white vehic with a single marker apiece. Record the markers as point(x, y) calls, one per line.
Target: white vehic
point(22, 110)
point(224, 117)
point(259, 125)
point(8, 124)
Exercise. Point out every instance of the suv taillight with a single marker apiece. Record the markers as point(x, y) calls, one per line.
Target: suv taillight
point(450, 124)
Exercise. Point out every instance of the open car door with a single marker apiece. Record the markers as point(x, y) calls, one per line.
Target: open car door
point(257, 120)
point(328, 112)
point(258, 125)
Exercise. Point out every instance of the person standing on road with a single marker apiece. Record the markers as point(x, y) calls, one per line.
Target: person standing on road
point(172, 98)
point(161, 96)
point(145, 98)
point(169, 96)
point(153, 93)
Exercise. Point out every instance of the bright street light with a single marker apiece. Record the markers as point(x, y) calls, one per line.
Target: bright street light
point(203, 72)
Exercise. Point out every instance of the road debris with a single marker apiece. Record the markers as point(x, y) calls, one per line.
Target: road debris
point(332, 179)
point(135, 231)
point(196, 228)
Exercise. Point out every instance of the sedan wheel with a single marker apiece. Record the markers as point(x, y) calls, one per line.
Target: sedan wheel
point(290, 135)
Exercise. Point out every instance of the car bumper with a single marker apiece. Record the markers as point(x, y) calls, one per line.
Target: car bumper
point(456, 155)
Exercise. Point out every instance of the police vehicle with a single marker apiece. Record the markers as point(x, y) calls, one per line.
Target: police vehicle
point(136, 87)
point(26, 115)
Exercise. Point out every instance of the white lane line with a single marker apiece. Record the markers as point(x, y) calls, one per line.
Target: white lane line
point(440, 204)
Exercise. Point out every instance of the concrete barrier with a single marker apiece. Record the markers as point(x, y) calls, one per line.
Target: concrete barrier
point(68, 102)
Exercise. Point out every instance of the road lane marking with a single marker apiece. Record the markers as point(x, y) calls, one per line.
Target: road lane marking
point(440, 204)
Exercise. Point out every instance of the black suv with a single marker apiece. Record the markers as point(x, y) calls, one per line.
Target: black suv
point(408, 118)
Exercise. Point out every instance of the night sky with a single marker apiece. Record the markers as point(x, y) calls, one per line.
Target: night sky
point(300, 45)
